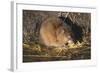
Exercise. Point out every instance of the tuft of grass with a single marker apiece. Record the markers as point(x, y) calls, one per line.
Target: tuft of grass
point(26, 46)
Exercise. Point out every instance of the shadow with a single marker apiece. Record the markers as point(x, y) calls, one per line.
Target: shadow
point(76, 29)
point(10, 70)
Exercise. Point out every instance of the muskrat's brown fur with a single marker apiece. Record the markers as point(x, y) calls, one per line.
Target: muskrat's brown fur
point(54, 33)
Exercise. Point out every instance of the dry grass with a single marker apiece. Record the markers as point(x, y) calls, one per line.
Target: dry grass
point(36, 52)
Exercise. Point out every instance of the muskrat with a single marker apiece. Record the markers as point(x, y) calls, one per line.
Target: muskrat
point(54, 32)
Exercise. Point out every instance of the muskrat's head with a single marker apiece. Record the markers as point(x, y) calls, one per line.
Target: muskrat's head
point(65, 35)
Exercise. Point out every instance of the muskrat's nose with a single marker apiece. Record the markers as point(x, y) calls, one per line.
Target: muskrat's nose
point(70, 40)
